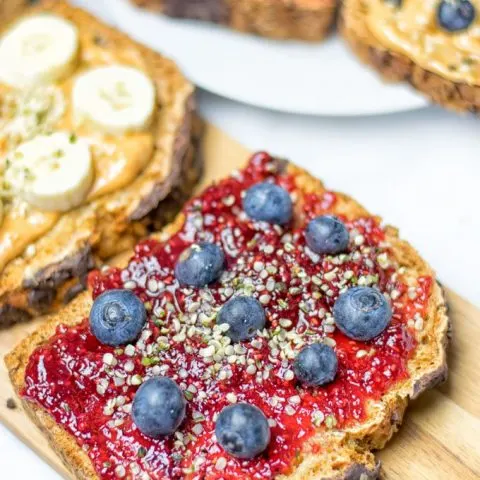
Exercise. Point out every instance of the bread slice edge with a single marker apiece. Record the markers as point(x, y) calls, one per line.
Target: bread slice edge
point(396, 67)
point(278, 19)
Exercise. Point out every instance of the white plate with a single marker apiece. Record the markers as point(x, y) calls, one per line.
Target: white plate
point(323, 79)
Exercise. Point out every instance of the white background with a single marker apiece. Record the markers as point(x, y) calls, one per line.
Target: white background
point(419, 170)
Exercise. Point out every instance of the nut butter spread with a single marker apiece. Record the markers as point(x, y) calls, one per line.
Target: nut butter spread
point(412, 29)
point(22, 225)
point(45, 108)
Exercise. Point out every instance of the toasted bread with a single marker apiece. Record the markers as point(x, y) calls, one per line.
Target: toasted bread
point(308, 20)
point(330, 451)
point(448, 89)
point(9, 8)
point(53, 267)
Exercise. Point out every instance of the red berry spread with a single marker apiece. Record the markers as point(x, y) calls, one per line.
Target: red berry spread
point(89, 387)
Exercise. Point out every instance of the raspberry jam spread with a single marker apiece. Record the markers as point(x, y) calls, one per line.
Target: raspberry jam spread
point(89, 387)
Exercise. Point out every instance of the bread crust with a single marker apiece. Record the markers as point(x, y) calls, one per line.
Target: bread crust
point(395, 67)
point(344, 454)
point(10, 8)
point(85, 236)
point(307, 20)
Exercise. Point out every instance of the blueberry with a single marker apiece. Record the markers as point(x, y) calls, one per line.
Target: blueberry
point(245, 315)
point(327, 235)
point(455, 15)
point(117, 317)
point(362, 313)
point(200, 264)
point(158, 407)
point(268, 202)
point(242, 430)
point(316, 365)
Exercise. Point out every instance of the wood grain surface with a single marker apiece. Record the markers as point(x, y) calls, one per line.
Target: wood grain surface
point(440, 438)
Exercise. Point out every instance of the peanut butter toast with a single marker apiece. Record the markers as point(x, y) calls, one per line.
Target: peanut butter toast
point(9, 8)
point(308, 20)
point(97, 143)
point(275, 330)
point(433, 45)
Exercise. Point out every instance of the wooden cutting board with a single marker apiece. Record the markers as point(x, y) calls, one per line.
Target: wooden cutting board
point(440, 438)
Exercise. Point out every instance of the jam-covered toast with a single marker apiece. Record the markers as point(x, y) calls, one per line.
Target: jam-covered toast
point(97, 142)
point(276, 329)
point(433, 45)
point(308, 20)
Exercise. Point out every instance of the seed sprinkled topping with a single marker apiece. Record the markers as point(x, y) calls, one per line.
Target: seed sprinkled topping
point(294, 286)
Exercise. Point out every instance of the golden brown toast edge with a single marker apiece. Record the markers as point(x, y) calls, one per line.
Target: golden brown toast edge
point(9, 8)
point(308, 20)
point(395, 67)
point(35, 285)
point(344, 454)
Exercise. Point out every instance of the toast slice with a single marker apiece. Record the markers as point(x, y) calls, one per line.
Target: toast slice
point(325, 432)
point(387, 37)
point(9, 8)
point(45, 271)
point(308, 20)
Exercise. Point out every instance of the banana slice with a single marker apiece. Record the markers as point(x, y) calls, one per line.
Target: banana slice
point(116, 99)
point(37, 50)
point(51, 172)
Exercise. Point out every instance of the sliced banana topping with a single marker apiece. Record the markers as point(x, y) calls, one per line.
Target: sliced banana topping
point(37, 50)
point(115, 99)
point(51, 172)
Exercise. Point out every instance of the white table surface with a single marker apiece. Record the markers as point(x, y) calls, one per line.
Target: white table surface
point(419, 170)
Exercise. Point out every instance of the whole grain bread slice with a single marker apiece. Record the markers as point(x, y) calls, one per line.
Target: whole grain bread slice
point(9, 8)
point(342, 453)
point(308, 20)
point(395, 67)
point(35, 284)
